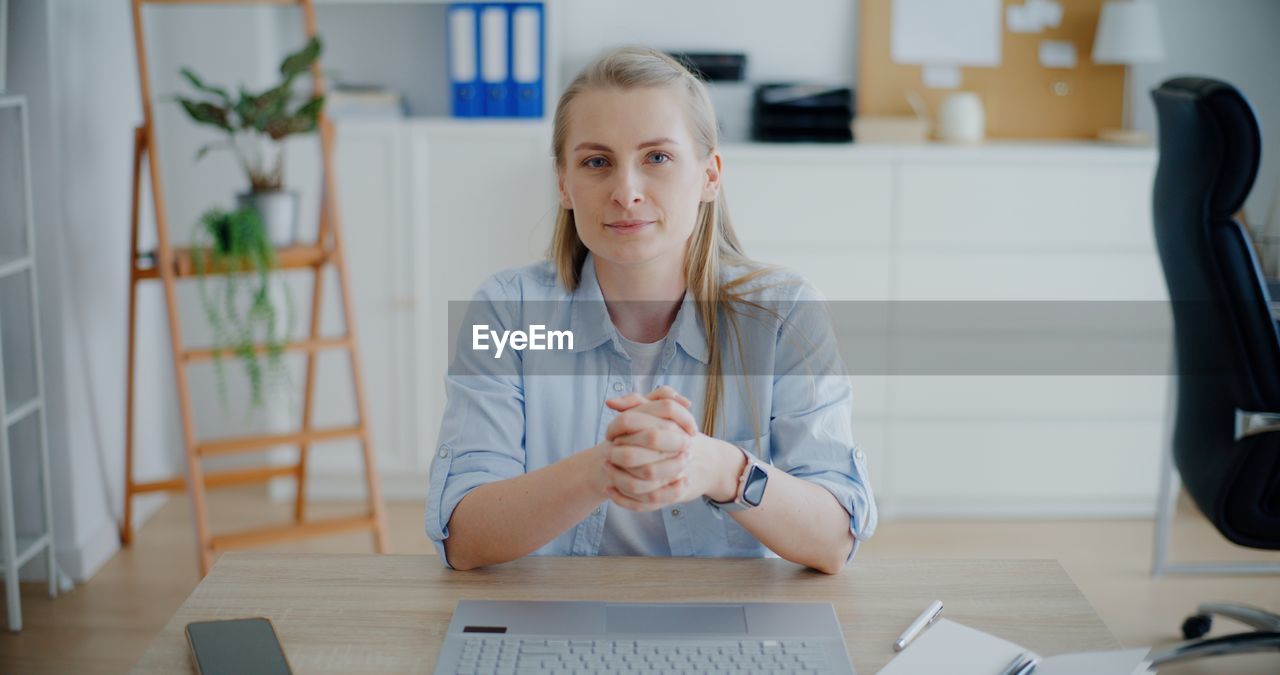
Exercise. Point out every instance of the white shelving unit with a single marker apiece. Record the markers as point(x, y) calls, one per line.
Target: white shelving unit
point(22, 405)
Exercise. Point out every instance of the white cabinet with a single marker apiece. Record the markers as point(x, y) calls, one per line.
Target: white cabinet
point(370, 165)
point(954, 225)
point(483, 199)
point(433, 207)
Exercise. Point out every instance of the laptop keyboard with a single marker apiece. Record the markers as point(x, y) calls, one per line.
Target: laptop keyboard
point(519, 656)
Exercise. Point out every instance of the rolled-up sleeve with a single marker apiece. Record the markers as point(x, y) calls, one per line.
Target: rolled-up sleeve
point(482, 432)
point(811, 422)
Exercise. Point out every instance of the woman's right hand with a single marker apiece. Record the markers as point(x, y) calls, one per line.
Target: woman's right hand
point(649, 441)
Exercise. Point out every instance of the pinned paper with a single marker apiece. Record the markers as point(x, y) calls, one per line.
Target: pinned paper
point(1048, 11)
point(946, 32)
point(1034, 16)
point(1057, 54)
point(941, 77)
point(1020, 19)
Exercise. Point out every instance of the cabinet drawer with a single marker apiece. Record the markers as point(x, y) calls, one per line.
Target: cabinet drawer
point(939, 275)
point(1032, 205)
point(1024, 468)
point(847, 274)
point(1100, 397)
point(818, 201)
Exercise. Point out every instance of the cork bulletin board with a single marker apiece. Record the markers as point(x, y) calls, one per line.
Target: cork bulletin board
point(1022, 98)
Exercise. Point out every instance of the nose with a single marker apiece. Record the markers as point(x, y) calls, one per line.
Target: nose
point(627, 189)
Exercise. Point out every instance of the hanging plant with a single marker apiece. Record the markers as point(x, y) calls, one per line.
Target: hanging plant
point(233, 245)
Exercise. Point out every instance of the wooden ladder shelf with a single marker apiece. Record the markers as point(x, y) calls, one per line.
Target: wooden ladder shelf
point(168, 265)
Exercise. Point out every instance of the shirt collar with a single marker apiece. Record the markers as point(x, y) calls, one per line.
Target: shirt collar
point(591, 326)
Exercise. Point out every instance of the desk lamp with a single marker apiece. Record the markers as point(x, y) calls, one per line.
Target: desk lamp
point(1128, 33)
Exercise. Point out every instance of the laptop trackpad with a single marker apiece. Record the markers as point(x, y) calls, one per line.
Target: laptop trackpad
point(679, 618)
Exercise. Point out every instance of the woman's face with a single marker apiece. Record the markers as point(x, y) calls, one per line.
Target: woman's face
point(632, 174)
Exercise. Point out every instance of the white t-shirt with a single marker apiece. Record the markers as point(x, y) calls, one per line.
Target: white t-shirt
point(627, 532)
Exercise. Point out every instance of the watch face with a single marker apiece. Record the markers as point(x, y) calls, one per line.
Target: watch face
point(753, 491)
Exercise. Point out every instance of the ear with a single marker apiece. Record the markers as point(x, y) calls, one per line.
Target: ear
point(711, 187)
point(565, 203)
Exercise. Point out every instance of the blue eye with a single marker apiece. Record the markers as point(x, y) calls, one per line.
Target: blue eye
point(595, 162)
point(654, 157)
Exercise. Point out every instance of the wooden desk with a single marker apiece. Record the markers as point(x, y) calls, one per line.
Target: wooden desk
point(382, 614)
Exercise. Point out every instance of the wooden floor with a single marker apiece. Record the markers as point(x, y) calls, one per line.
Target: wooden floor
point(105, 625)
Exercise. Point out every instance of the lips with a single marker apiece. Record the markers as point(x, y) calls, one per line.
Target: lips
point(626, 226)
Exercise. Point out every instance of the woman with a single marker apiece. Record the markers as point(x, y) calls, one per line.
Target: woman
point(549, 454)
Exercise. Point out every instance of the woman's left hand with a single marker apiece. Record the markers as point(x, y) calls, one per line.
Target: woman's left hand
point(713, 465)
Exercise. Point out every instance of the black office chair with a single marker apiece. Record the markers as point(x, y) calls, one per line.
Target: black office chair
point(1226, 342)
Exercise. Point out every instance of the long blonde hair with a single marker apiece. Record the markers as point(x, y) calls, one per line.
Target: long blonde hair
point(713, 244)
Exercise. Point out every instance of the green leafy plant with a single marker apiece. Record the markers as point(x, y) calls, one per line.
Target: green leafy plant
point(242, 314)
point(255, 123)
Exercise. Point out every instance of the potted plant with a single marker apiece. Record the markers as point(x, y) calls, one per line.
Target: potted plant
point(243, 313)
point(255, 125)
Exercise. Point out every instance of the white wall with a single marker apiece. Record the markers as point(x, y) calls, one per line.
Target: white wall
point(74, 61)
point(814, 40)
point(1233, 40)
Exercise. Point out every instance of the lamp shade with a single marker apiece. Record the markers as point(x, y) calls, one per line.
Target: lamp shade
point(1128, 32)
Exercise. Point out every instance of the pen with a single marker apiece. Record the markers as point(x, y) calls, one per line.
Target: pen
point(927, 617)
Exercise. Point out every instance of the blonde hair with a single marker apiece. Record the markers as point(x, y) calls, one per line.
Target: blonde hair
point(713, 244)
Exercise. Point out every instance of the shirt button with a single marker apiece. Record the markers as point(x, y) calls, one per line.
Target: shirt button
point(444, 452)
point(598, 510)
point(617, 386)
point(859, 455)
point(675, 512)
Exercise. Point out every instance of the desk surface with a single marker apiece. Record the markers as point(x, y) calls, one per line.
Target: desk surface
point(374, 614)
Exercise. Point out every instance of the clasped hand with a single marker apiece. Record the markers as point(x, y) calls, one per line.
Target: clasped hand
point(655, 456)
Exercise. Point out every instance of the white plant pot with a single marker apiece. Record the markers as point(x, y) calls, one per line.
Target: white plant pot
point(279, 213)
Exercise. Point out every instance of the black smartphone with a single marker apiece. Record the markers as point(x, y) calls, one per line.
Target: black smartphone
point(237, 646)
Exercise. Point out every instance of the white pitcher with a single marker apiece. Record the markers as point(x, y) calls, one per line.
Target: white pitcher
point(961, 118)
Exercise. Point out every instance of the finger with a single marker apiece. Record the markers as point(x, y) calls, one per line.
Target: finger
point(670, 409)
point(634, 420)
point(663, 471)
point(629, 485)
point(672, 493)
point(629, 503)
point(662, 439)
point(626, 402)
point(667, 391)
point(631, 456)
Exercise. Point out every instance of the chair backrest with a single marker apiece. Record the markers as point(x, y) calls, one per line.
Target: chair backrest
point(1227, 344)
point(1210, 148)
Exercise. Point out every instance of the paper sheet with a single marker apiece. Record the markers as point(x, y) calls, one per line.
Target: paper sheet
point(941, 77)
point(1057, 54)
point(946, 32)
point(1115, 662)
point(956, 649)
point(1033, 16)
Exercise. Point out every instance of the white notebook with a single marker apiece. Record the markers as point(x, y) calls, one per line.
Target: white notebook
point(949, 647)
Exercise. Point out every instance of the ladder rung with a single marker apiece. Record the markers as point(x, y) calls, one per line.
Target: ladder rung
point(299, 346)
point(226, 446)
point(315, 528)
point(287, 258)
point(220, 479)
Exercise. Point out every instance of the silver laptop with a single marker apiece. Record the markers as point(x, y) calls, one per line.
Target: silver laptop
point(608, 637)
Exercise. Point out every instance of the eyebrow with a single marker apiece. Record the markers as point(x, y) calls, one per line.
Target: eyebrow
point(642, 146)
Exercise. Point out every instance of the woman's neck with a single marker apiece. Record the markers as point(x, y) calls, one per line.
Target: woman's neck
point(643, 300)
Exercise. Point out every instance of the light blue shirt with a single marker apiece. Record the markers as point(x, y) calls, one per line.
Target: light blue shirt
point(527, 410)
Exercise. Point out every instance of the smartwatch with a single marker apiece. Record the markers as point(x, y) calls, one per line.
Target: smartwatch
point(751, 486)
